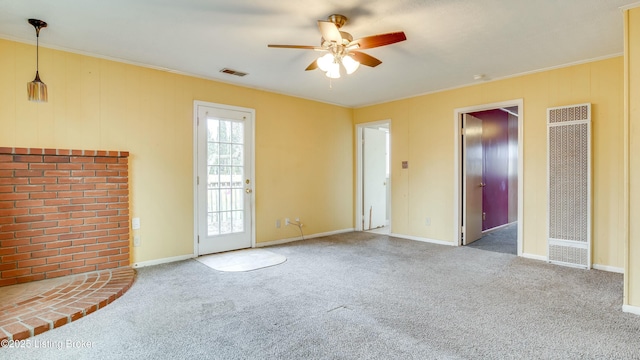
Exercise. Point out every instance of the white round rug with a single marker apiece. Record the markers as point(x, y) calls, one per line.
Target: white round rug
point(242, 260)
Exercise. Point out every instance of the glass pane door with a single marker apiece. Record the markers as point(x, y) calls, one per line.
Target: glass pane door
point(225, 176)
point(224, 186)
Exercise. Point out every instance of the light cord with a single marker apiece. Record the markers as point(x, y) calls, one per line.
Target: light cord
point(299, 225)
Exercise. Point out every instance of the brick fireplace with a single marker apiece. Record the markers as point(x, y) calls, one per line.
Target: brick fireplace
point(62, 212)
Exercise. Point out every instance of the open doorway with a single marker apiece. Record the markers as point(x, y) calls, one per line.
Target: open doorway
point(489, 169)
point(373, 176)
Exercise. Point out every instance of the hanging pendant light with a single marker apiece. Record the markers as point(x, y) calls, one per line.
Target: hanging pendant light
point(37, 90)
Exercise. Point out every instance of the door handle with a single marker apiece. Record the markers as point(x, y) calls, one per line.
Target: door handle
point(248, 191)
point(483, 184)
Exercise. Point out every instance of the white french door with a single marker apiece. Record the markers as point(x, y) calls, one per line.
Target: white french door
point(224, 183)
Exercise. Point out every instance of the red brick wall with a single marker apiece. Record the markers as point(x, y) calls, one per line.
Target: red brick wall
point(62, 212)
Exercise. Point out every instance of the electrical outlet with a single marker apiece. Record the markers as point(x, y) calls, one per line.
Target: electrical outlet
point(278, 224)
point(136, 240)
point(286, 221)
point(427, 221)
point(298, 220)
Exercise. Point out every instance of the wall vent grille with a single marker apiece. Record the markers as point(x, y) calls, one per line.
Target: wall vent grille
point(233, 72)
point(569, 185)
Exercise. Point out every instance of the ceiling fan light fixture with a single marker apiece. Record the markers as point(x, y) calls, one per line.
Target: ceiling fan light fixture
point(334, 71)
point(340, 47)
point(350, 64)
point(325, 61)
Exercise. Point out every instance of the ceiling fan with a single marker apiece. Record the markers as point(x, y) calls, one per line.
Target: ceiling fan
point(342, 49)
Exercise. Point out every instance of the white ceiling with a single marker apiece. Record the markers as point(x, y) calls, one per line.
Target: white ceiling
point(448, 41)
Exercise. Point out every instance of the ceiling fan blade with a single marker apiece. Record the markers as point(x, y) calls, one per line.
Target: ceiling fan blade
point(312, 66)
point(305, 47)
point(329, 31)
point(373, 41)
point(365, 59)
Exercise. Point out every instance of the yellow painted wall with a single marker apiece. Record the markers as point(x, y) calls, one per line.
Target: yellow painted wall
point(422, 132)
point(632, 118)
point(303, 163)
point(301, 167)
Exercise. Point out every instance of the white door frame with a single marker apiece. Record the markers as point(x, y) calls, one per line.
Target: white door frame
point(458, 208)
point(252, 139)
point(359, 177)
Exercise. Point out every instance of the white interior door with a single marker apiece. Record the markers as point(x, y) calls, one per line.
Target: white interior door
point(374, 175)
point(472, 179)
point(225, 179)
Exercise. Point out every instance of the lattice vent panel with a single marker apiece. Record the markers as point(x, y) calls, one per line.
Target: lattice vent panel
point(569, 113)
point(569, 255)
point(569, 146)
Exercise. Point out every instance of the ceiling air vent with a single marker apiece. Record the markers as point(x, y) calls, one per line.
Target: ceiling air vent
point(233, 72)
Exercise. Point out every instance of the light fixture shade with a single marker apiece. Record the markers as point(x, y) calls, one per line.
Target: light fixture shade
point(334, 70)
point(37, 90)
point(324, 62)
point(350, 64)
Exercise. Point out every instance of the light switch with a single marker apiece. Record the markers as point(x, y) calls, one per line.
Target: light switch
point(135, 223)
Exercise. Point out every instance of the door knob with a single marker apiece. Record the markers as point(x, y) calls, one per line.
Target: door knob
point(248, 191)
point(483, 184)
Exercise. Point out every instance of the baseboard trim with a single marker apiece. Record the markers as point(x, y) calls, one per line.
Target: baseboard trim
point(162, 261)
point(306, 237)
point(631, 309)
point(609, 268)
point(421, 239)
point(534, 257)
